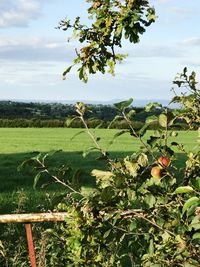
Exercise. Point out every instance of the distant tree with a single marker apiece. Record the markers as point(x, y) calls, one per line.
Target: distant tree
point(111, 21)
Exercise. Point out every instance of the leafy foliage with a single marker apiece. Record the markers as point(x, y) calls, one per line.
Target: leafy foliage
point(189, 99)
point(111, 20)
point(133, 218)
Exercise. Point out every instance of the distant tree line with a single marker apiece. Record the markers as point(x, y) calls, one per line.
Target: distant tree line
point(54, 115)
point(31, 123)
point(58, 111)
point(32, 110)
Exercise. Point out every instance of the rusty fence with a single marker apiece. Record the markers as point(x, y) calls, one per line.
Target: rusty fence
point(29, 218)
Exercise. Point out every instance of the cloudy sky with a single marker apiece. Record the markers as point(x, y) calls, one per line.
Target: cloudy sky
point(33, 54)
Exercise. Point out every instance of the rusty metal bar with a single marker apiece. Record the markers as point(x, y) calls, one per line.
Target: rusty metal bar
point(31, 249)
point(33, 217)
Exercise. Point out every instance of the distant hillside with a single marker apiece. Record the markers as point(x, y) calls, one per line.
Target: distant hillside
point(136, 102)
point(49, 114)
point(46, 111)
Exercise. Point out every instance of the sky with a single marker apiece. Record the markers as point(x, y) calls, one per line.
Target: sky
point(34, 54)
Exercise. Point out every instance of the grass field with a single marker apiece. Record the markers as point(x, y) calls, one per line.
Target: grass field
point(19, 144)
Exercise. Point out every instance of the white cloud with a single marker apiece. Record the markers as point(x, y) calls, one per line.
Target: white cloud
point(157, 51)
point(9, 42)
point(31, 73)
point(54, 45)
point(192, 41)
point(35, 49)
point(192, 63)
point(18, 13)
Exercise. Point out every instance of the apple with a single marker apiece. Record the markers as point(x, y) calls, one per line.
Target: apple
point(156, 172)
point(164, 161)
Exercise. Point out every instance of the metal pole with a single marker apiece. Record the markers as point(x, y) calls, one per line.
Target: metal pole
point(33, 217)
point(31, 248)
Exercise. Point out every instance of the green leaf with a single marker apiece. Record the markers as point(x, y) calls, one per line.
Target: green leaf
point(142, 160)
point(196, 226)
point(124, 104)
point(190, 202)
point(152, 140)
point(162, 119)
point(87, 191)
point(36, 179)
point(67, 70)
point(69, 121)
point(75, 135)
point(111, 64)
point(107, 194)
point(131, 114)
point(119, 181)
point(57, 199)
point(187, 264)
point(151, 106)
point(174, 144)
point(151, 119)
point(151, 247)
point(106, 234)
point(143, 130)
point(165, 237)
point(196, 183)
point(76, 177)
point(25, 163)
point(150, 200)
point(103, 177)
point(196, 235)
point(133, 225)
point(168, 150)
point(195, 220)
point(184, 189)
point(132, 167)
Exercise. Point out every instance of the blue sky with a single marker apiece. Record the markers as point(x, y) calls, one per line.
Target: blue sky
point(33, 54)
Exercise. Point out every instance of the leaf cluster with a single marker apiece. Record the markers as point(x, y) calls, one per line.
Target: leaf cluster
point(133, 217)
point(110, 22)
point(189, 98)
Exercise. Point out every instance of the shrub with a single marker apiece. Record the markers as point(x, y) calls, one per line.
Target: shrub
point(135, 216)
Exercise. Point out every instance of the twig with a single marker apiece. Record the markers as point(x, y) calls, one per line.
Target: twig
point(138, 136)
point(103, 152)
point(140, 214)
point(56, 178)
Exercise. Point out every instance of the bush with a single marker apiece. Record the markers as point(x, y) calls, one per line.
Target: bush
point(144, 210)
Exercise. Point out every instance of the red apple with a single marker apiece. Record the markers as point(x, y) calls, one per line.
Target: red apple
point(164, 161)
point(155, 172)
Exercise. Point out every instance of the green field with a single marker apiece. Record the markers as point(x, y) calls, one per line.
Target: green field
point(19, 144)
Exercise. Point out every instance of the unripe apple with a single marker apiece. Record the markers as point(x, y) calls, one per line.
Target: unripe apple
point(164, 161)
point(156, 172)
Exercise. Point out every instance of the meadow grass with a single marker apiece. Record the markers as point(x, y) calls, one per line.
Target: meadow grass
point(19, 144)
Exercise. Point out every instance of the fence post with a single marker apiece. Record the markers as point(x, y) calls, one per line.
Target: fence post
point(32, 217)
point(31, 249)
